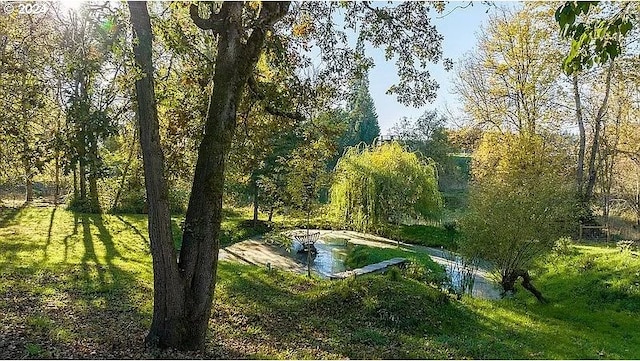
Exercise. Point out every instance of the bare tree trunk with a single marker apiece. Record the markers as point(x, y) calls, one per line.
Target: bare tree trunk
point(526, 283)
point(75, 182)
point(595, 146)
point(93, 176)
point(125, 172)
point(255, 202)
point(82, 173)
point(168, 327)
point(26, 153)
point(582, 137)
point(508, 283)
point(28, 179)
point(56, 193)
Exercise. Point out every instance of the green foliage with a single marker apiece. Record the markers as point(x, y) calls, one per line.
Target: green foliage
point(521, 204)
point(594, 40)
point(375, 186)
point(427, 136)
point(506, 84)
point(363, 120)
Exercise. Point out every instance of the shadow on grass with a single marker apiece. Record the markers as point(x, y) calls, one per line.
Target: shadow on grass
point(8, 214)
point(92, 306)
point(46, 246)
point(133, 228)
point(367, 317)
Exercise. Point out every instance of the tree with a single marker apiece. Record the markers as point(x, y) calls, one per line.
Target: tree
point(363, 120)
point(507, 83)
point(596, 40)
point(183, 290)
point(427, 136)
point(260, 154)
point(89, 36)
point(28, 106)
point(376, 186)
point(520, 204)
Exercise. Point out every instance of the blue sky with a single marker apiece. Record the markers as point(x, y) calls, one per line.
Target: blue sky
point(459, 29)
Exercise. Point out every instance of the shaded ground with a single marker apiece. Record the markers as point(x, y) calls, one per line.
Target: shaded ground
point(79, 286)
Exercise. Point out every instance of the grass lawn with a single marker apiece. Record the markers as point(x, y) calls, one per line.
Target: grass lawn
point(79, 286)
point(421, 266)
point(424, 235)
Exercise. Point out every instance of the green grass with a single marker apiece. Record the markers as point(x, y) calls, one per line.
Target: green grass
point(80, 286)
point(424, 235)
point(237, 225)
point(420, 267)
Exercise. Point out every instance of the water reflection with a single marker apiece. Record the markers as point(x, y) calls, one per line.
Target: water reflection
point(329, 258)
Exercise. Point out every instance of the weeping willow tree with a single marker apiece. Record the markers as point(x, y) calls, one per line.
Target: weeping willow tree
point(375, 186)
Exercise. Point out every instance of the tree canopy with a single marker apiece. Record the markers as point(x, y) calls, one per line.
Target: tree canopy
point(375, 186)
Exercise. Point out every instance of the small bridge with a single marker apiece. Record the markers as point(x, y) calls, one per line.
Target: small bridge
point(375, 267)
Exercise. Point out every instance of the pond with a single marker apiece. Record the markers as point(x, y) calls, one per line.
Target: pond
point(329, 259)
point(332, 251)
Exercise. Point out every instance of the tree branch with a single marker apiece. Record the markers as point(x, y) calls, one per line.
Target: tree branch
point(254, 86)
point(214, 22)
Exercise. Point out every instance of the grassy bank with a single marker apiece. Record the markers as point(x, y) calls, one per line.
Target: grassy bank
point(421, 267)
point(80, 286)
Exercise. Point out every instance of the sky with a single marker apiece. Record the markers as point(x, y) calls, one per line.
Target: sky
point(459, 29)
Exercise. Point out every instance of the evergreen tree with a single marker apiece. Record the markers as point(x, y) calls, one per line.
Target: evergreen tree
point(363, 125)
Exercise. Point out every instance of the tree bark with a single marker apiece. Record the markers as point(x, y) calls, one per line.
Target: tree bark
point(255, 203)
point(125, 172)
point(168, 327)
point(28, 179)
point(75, 182)
point(82, 167)
point(582, 137)
point(183, 291)
point(526, 283)
point(94, 203)
point(508, 283)
point(56, 194)
point(595, 146)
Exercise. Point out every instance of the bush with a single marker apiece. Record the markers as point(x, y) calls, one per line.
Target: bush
point(563, 246)
point(450, 226)
point(131, 202)
point(81, 205)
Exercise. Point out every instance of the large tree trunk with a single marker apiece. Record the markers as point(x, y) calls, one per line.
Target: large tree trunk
point(168, 328)
point(183, 293)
